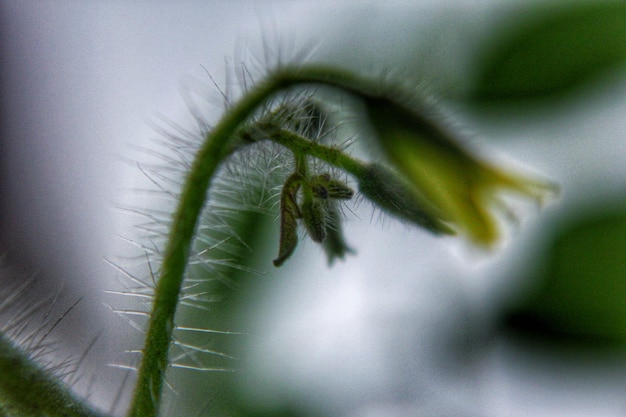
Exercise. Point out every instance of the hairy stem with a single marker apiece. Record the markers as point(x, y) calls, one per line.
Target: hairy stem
point(27, 390)
point(215, 149)
point(331, 77)
point(301, 146)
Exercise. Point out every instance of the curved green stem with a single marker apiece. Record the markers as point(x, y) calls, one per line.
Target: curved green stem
point(332, 77)
point(159, 335)
point(215, 149)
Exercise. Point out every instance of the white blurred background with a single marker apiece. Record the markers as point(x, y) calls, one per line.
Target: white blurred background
point(83, 83)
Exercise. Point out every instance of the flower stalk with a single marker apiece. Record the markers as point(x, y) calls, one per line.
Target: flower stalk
point(438, 185)
point(218, 144)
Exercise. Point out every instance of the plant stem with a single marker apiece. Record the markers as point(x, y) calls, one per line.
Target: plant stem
point(343, 80)
point(214, 150)
point(28, 390)
point(301, 146)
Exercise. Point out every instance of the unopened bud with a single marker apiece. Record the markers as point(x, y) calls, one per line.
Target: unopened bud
point(335, 245)
point(289, 213)
point(324, 186)
point(314, 219)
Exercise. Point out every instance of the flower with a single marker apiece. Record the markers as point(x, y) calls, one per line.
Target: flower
point(460, 187)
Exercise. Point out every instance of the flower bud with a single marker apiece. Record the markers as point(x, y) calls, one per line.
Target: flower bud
point(324, 186)
point(335, 245)
point(289, 213)
point(314, 220)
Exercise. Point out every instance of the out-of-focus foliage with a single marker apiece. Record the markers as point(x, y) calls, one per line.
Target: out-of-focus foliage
point(543, 53)
point(549, 49)
point(581, 291)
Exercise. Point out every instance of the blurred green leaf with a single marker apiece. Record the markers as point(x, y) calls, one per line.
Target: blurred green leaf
point(550, 50)
point(271, 413)
point(582, 292)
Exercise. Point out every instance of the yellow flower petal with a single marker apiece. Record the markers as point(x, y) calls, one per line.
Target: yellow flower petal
point(461, 188)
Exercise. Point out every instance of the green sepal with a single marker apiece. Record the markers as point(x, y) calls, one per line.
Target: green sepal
point(289, 213)
point(314, 219)
point(392, 194)
point(335, 245)
point(324, 186)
